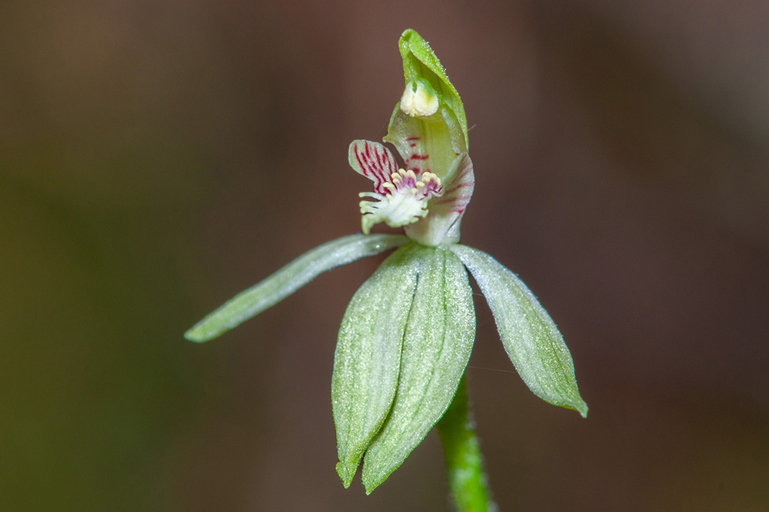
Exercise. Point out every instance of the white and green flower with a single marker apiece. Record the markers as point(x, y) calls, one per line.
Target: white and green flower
point(428, 201)
point(408, 332)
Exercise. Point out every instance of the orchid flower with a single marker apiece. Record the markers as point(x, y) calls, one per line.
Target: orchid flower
point(427, 204)
point(407, 334)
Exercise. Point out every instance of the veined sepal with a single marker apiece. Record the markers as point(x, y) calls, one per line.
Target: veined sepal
point(530, 337)
point(437, 344)
point(368, 357)
point(393, 383)
point(289, 279)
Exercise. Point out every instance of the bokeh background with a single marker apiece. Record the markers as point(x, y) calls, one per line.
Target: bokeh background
point(157, 157)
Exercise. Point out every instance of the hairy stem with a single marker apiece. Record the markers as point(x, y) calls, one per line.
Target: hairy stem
point(464, 463)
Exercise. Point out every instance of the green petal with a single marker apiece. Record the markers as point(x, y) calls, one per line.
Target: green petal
point(368, 356)
point(529, 335)
point(420, 62)
point(436, 348)
point(289, 279)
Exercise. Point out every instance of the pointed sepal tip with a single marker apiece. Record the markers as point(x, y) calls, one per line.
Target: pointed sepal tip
point(346, 472)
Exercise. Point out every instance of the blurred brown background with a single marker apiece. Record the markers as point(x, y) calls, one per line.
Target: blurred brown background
point(156, 157)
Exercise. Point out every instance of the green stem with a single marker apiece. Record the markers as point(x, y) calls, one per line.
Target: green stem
point(464, 463)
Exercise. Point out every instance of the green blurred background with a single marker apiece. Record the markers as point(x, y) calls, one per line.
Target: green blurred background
point(157, 157)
